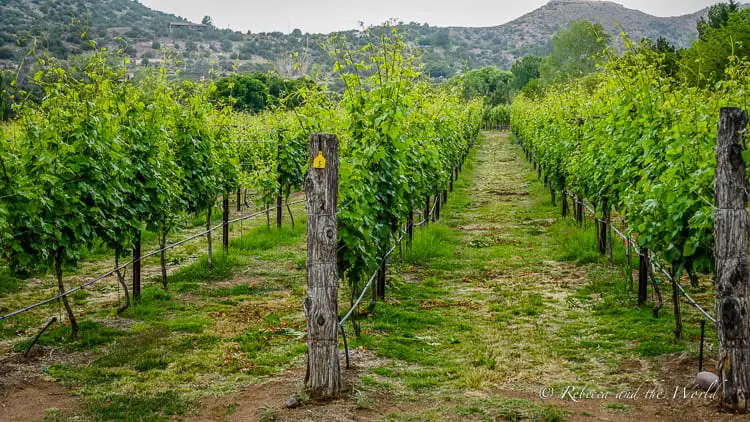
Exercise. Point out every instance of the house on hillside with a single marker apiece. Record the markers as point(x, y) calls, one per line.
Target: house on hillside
point(188, 25)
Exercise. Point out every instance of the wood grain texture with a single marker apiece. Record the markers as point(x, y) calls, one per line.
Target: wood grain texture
point(323, 377)
point(730, 249)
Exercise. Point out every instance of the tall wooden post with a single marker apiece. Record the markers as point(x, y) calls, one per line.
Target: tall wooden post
point(225, 222)
point(410, 229)
point(427, 210)
point(676, 308)
point(643, 277)
point(730, 249)
point(603, 228)
point(381, 279)
point(323, 377)
point(279, 209)
point(239, 199)
point(209, 240)
point(437, 208)
point(279, 196)
point(137, 267)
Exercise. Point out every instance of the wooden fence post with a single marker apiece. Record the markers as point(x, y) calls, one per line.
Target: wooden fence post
point(209, 247)
point(410, 229)
point(603, 229)
point(427, 211)
point(381, 279)
point(730, 249)
point(279, 209)
point(279, 196)
point(323, 377)
point(239, 199)
point(643, 277)
point(225, 222)
point(137, 267)
point(436, 217)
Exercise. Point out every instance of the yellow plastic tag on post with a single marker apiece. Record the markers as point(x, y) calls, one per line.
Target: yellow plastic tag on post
point(319, 162)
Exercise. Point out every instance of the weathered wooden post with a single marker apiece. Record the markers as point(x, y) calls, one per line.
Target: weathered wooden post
point(209, 248)
point(730, 249)
point(239, 200)
point(323, 377)
point(137, 267)
point(225, 222)
point(643, 277)
point(279, 194)
point(410, 229)
point(436, 217)
point(427, 210)
point(381, 279)
point(603, 228)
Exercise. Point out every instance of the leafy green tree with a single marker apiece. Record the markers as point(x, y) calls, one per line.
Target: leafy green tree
point(706, 61)
point(667, 54)
point(718, 16)
point(243, 92)
point(525, 70)
point(576, 50)
point(489, 82)
point(438, 69)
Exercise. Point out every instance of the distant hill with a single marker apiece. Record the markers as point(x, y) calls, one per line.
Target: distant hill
point(141, 32)
point(532, 33)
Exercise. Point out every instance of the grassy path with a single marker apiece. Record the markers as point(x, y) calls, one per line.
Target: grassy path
point(498, 301)
point(503, 299)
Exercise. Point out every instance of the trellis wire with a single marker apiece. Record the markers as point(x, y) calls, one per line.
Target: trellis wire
point(148, 255)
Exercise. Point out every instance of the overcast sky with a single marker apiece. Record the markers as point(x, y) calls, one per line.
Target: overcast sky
point(332, 15)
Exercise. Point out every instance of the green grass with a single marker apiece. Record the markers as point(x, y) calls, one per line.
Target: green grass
point(206, 326)
point(138, 407)
point(432, 245)
point(8, 283)
point(263, 238)
point(224, 268)
point(90, 337)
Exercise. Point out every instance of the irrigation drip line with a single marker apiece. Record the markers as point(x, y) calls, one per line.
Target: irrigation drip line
point(359, 300)
point(369, 283)
point(426, 219)
point(125, 265)
point(372, 280)
point(654, 263)
point(342, 247)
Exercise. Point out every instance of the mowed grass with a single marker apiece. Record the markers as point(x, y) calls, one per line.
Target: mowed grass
point(502, 293)
point(210, 333)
